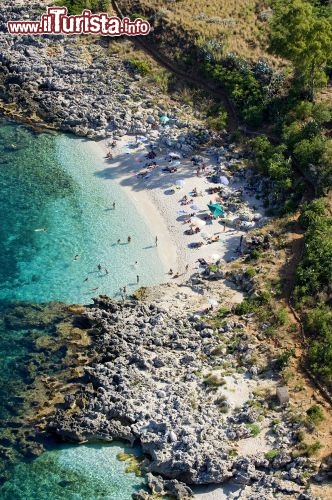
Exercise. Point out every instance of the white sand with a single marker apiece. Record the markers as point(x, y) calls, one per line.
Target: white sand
point(155, 203)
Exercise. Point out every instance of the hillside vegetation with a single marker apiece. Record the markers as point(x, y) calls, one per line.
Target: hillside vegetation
point(237, 26)
point(273, 59)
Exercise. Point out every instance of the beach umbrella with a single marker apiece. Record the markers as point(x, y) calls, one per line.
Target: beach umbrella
point(176, 156)
point(180, 182)
point(164, 119)
point(194, 207)
point(223, 180)
point(216, 209)
point(215, 257)
point(196, 221)
point(213, 302)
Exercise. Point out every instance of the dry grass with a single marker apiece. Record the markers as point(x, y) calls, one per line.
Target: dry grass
point(241, 26)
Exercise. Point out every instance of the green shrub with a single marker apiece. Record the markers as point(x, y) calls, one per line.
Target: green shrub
point(223, 312)
point(283, 360)
point(137, 15)
point(307, 450)
point(213, 380)
point(245, 307)
point(217, 122)
point(254, 429)
point(270, 332)
point(272, 454)
point(315, 414)
point(76, 7)
point(255, 254)
point(264, 297)
point(315, 270)
point(251, 272)
point(281, 316)
point(143, 67)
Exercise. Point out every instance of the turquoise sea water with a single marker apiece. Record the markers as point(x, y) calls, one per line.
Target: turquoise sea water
point(85, 472)
point(55, 204)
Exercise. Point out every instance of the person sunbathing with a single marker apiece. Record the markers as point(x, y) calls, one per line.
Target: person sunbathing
point(213, 239)
point(202, 262)
point(197, 244)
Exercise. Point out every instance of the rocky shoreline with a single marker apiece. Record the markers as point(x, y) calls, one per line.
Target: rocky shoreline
point(86, 89)
point(158, 379)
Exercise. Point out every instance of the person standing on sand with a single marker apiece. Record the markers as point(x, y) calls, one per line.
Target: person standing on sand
point(156, 241)
point(137, 279)
point(187, 268)
point(113, 205)
point(119, 241)
point(99, 267)
point(129, 239)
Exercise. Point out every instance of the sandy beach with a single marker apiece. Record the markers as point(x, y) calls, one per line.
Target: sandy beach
point(157, 197)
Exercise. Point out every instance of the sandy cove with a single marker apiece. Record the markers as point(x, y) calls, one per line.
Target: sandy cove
point(157, 199)
point(165, 377)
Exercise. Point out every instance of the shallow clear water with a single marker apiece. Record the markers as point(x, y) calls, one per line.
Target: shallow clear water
point(85, 472)
point(54, 206)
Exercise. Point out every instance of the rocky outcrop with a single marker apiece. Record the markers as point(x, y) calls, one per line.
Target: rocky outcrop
point(154, 382)
point(81, 88)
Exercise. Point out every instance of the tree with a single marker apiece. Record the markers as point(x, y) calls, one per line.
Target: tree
point(300, 34)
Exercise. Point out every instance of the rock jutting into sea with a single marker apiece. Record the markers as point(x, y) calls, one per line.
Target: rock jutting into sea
point(158, 379)
point(41, 349)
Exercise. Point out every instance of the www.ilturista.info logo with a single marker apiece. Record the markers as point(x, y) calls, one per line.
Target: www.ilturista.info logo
point(57, 22)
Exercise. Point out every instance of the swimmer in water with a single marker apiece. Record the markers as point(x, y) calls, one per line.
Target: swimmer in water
point(76, 257)
point(40, 230)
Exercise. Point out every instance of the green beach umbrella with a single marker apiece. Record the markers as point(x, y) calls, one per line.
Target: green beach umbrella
point(216, 209)
point(164, 119)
